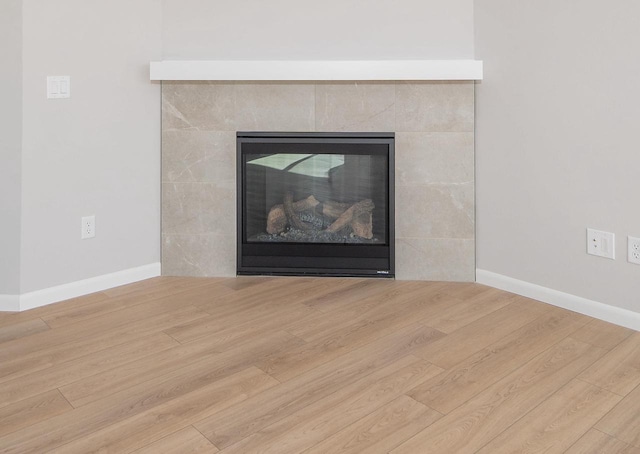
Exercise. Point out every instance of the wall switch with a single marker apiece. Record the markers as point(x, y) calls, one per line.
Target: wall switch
point(58, 87)
point(601, 244)
point(633, 245)
point(88, 227)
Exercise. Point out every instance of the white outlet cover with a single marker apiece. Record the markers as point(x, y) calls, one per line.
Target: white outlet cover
point(88, 227)
point(633, 245)
point(601, 243)
point(58, 87)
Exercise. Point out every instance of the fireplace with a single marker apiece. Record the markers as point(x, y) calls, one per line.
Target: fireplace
point(315, 204)
point(433, 124)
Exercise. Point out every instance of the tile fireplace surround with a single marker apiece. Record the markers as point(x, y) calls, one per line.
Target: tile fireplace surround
point(433, 122)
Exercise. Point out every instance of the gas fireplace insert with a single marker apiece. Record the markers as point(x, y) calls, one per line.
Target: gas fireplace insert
point(315, 204)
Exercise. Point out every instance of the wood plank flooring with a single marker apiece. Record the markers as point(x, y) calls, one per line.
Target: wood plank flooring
point(315, 366)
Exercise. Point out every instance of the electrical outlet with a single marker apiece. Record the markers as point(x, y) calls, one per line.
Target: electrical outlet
point(633, 250)
point(88, 227)
point(601, 244)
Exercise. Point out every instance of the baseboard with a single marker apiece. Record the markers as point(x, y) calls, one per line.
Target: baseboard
point(9, 303)
point(612, 314)
point(84, 287)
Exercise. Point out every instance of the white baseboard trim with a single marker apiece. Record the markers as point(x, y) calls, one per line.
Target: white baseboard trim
point(612, 314)
point(63, 292)
point(9, 303)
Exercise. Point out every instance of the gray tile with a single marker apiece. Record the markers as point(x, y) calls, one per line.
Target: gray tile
point(198, 208)
point(198, 156)
point(437, 157)
point(355, 106)
point(198, 255)
point(435, 211)
point(435, 106)
point(275, 107)
point(435, 259)
point(204, 106)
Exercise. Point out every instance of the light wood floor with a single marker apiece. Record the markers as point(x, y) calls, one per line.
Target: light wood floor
point(289, 365)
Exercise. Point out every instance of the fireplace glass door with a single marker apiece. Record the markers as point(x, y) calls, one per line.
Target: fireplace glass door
point(315, 203)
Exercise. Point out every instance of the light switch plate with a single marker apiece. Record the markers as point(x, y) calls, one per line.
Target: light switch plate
point(58, 87)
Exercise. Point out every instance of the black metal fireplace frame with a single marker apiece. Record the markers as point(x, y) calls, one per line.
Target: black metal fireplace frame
point(366, 260)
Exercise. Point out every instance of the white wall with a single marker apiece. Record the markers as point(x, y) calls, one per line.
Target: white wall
point(10, 144)
point(97, 152)
point(329, 29)
point(557, 143)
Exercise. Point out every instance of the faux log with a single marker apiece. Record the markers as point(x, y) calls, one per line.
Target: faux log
point(277, 218)
point(362, 225)
point(360, 214)
point(333, 210)
point(292, 218)
point(356, 216)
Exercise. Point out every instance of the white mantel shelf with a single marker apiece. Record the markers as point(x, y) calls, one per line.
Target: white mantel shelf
point(316, 70)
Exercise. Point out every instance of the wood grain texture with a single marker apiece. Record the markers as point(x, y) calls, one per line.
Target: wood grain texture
point(465, 290)
point(187, 440)
point(32, 410)
point(474, 374)
point(391, 296)
point(112, 325)
point(195, 360)
point(381, 430)
point(475, 423)
point(244, 282)
point(22, 329)
point(44, 353)
point(232, 425)
point(468, 310)
point(68, 372)
point(287, 364)
point(147, 291)
point(143, 428)
point(152, 285)
point(602, 334)
point(623, 422)
point(596, 442)
point(292, 365)
point(619, 371)
point(317, 421)
point(83, 422)
point(470, 339)
point(350, 291)
point(557, 423)
point(265, 317)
